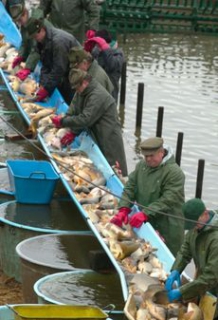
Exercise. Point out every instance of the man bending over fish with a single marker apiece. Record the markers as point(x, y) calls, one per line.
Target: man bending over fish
point(53, 46)
point(201, 245)
point(157, 183)
point(96, 112)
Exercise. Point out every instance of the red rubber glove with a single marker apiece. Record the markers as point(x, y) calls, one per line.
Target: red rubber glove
point(90, 34)
point(68, 138)
point(23, 74)
point(17, 61)
point(121, 217)
point(102, 44)
point(41, 94)
point(56, 120)
point(137, 219)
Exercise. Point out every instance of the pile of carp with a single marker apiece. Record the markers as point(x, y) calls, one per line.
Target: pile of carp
point(144, 272)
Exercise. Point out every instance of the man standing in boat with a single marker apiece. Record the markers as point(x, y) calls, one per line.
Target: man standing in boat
point(53, 46)
point(200, 244)
point(96, 112)
point(157, 184)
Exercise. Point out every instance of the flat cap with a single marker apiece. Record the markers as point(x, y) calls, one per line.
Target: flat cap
point(16, 9)
point(151, 145)
point(76, 77)
point(33, 26)
point(77, 55)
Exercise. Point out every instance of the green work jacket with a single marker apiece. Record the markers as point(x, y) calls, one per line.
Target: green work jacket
point(203, 248)
point(161, 190)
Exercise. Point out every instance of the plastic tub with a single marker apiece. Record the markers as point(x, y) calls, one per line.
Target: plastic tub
point(32, 181)
point(53, 312)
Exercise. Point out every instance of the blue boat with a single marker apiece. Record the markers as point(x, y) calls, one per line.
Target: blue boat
point(85, 143)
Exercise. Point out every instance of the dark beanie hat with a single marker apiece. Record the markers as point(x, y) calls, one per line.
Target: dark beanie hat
point(104, 34)
point(192, 209)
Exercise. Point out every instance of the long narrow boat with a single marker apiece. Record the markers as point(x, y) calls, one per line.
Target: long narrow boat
point(84, 143)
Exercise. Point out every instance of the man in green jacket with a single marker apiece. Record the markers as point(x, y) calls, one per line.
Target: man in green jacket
point(201, 245)
point(95, 111)
point(157, 185)
point(83, 60)
point(70, 15)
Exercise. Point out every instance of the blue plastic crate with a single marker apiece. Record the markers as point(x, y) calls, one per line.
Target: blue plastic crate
point(32, 181)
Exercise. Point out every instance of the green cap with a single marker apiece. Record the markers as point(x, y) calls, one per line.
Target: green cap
point(151, 145)
point(192, 209)
point(76, 77)
point(16, 9)
point(33, 26)
point(77, 55)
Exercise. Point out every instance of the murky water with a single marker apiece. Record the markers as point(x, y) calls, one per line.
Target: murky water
point(179, 72)
point(84, 288)
point(64, 251)
point(58, 215)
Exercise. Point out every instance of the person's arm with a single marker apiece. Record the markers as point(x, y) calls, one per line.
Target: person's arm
point(93, 12)
point(207, 280)
point(130, 188)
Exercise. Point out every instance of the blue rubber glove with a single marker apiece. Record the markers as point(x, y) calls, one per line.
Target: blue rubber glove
point(174, 294)
point(174, 276)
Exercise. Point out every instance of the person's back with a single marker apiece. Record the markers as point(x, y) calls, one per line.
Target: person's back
point(96, 110)
point(70, 15)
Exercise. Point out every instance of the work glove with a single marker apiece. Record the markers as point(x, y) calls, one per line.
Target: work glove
point(174, 294)
point(41, 94)
point(121, 217)
point(137, 219)
point(23, 74)
point(67, 138)
point(101, 43)
point(174, 276)
point(56, 120)
point(17, 61)
point(90, 34)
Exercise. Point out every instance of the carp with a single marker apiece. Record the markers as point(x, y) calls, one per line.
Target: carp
point(28, 87)
point(193, 313)
point(123, 249)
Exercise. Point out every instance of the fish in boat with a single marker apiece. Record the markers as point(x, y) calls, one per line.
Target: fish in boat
point(108, 201)
point(193, 313)
point(28, 87)
point(39, 115)
point(4, 46)
point(122, 249)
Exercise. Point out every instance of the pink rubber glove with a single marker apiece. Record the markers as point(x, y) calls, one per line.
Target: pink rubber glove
point(56, 120)
point(90, 34)
point(121, 217)
point(137, 219)
point(23, 74)
point(101, 43)
point(68, 138)
point(41, 94)
point(17, 61)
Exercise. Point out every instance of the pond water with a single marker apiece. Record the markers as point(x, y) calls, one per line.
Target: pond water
point(179, 73)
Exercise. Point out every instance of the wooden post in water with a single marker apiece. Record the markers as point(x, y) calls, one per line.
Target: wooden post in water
point(140, 99)
point(179, 148)
point(123, 85)
point(159, 121)
point(200, 176)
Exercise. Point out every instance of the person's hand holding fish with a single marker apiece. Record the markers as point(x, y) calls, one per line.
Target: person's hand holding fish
point(121, 217)
point(173, 277)
point(56, 120)
point(17, 60)
point(23, 74)
point(68, 138)
point(41, 94)
point(138, 219)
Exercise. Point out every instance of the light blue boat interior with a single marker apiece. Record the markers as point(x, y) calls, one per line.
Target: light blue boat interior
point(84, 142)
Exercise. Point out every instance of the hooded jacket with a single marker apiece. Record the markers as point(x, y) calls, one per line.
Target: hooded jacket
point(160, 189)
point(96, 111)
point(203, 248)
point(55, 63)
